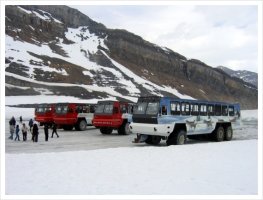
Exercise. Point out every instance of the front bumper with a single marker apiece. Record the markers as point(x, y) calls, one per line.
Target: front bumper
point(112, 123)
point(152, 129)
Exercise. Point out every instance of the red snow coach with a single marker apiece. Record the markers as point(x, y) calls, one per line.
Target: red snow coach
point(78, 115)
point(44, 114)
point(111, 115)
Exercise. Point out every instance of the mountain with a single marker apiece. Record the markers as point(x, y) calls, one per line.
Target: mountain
point(57, 50)
point(246, 76)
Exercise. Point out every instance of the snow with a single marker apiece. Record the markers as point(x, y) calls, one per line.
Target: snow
point(48, 16)
point(24, 10)
point(174, 170)
point(19, 50)
point(145, 83)
point(13, 86)
point(202, 91)
point(87, 73)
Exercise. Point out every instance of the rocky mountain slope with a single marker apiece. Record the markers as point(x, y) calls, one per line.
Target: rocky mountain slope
point(247, 76)
point(57, 50)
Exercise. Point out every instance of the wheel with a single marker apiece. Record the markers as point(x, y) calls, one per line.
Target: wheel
point(228, 133)
point(153, 140)
point(181, 137)
point(106, 130)
point(124, 129)
point(219, 134)
point(82, 125)
point(178, 138)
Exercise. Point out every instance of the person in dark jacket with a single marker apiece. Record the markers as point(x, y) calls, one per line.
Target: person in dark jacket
point(17, 132)
point(54, 130)
point(12, 130)
point(12, 121)
point(46, 132)
point(21, 119)
point(12, 124)
point(30, 124)
point(35, 133)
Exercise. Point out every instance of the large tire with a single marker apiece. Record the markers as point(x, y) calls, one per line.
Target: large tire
point(178, 138)
point(228, 133)
point(219, 134)
point(155, 140)
point(181, 137)
point(106, 131)
point(124, 129)
point(82, 125)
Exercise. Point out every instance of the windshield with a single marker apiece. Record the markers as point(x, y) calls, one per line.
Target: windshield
point(152, 108)
point(104, 108)
point(40, 110)
point(62, 109)
point(148, 108)
point(43, 109)
point(108, 108)
point(140, 108)
point(99, 108)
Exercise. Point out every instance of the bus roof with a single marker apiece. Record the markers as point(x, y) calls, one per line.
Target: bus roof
point(158, 98)
point(67, 103)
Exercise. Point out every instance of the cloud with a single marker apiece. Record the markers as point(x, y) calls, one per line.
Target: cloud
point(216, 35)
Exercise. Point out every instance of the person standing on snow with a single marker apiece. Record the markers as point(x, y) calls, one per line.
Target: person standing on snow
point(24, 131)
point(35, 133)
point(54, 130)
point(12, 123)
point(46, 132)
point(30, 124)
point(21, 119)
point(12, 130)
point(17, 132)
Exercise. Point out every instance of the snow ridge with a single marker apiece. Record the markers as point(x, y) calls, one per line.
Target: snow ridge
point(78, 53)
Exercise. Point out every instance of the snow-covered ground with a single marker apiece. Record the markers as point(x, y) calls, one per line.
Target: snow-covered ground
point(89, 163)
point(227, 168)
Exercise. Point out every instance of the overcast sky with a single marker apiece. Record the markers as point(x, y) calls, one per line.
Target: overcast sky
point(217, 35)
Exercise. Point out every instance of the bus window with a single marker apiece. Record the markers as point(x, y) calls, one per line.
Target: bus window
point(203, 110)
point(194, 109)
point(185, 108)
point(224, 110)
point(231, 110)
point(211, 110)
point(218, 110)
point(175, 108)
point(86, 109)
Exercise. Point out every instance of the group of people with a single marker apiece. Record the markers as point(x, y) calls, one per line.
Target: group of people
point(33, 128)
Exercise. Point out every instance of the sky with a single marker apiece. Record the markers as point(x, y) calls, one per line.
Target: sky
point(219, 35)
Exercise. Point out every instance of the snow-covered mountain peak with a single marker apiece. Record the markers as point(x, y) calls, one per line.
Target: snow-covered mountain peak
point(57, 50)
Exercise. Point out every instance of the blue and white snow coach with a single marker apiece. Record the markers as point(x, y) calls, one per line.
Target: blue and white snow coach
point(173, 120)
